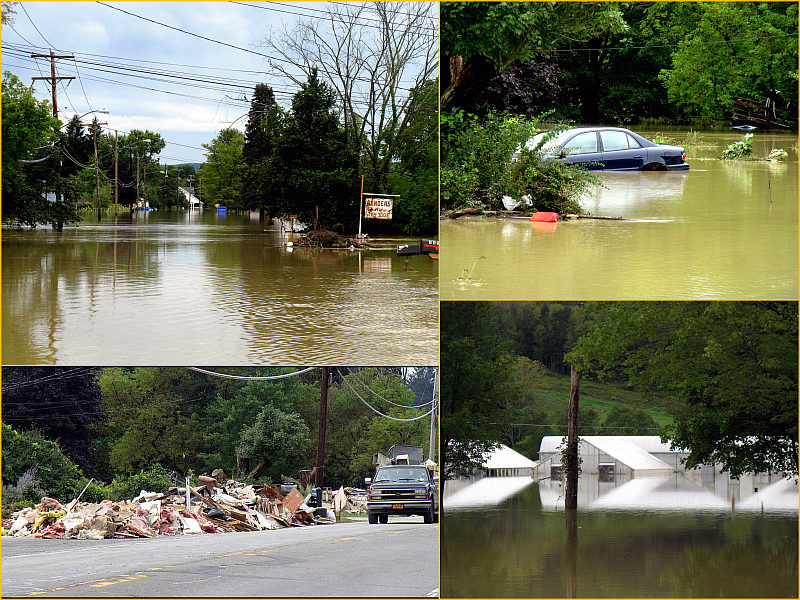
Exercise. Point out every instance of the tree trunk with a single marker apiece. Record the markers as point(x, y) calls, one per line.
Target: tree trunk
point(571, 492)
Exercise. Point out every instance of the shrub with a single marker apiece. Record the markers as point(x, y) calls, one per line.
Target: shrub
point(485, 159)
point(155, 479)
point(54, 473)
point(740, 149)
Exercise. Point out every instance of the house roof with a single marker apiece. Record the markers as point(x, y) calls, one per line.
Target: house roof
point(504, 457)
point(648, 443)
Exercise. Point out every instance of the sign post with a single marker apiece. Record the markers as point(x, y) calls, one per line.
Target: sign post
point(360, 209)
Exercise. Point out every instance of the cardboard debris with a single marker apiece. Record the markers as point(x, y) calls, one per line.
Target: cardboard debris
point(214, 508)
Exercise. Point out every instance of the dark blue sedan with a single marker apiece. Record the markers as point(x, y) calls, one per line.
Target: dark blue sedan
point(609, 149)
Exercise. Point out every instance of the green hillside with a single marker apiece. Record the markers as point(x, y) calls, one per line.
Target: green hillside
point(553, 393)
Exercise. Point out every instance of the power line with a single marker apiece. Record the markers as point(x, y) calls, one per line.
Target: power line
point(375, 410)
point(264, 378)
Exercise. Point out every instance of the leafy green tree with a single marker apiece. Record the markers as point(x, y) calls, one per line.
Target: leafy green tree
point(33, 192)
point(319, 165)
point(735, 49)
point(222, 172)
point(732, 367)
point(59, 402)
point(481, 39)
point(476, 377)
point(278, 437)
point(415, 174)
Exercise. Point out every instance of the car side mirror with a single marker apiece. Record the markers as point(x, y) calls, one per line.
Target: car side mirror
point(367, 480)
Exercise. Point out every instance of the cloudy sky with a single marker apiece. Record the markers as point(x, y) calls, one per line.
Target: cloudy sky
point(147, 75)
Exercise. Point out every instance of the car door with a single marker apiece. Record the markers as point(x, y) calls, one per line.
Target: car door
point(620, 152)
point(583, 148)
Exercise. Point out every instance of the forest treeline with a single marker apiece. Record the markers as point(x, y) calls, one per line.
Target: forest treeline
point(65, 425)
point(619, 62)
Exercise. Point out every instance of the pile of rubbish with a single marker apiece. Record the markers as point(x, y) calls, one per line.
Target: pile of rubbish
point(210, 508)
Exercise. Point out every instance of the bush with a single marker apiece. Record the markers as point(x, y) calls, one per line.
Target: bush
point(740, 149)
point(53, 473)
point(485, 159)
point(155, 479)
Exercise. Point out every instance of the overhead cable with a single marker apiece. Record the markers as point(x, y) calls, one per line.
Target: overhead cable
point(263, 378)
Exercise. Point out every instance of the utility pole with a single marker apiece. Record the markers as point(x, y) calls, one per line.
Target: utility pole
point(323, 419)
point(53, 79)
point(94, 126)
point(116, 171)
point(434, 411)
point(571, 489)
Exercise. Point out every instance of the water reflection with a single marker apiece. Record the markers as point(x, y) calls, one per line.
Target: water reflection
point(183, 288)
point(724, 229)
point(522, 547)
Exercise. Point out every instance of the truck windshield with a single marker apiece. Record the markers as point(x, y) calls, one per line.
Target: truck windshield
point(385, 475)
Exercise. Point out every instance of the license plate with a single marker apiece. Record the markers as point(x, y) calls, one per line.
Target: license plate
point(397, 506)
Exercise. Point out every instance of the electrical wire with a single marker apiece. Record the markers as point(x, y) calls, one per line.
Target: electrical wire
point(375, 410)
point(364, 385)
point(264, 378)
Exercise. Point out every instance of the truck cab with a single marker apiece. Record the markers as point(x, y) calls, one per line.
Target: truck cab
point(403, 490)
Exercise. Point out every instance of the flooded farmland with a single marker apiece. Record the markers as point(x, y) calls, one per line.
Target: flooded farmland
point(675, 537)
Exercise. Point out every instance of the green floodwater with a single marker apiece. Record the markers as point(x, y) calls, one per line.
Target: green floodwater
point(722, 230)
point(183, 288)
point(523, 548)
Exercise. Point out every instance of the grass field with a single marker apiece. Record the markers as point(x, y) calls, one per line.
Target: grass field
point(552, 391)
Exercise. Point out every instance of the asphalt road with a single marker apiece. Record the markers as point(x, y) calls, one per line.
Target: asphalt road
point(351, 559)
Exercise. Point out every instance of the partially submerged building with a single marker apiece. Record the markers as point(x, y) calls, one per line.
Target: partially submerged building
point(610, 455)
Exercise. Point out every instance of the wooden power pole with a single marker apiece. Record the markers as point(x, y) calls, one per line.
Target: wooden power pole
point(571, 490)
point(53, 79)
point(323, 419)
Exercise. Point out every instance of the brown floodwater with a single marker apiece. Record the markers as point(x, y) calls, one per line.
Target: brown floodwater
point(722, 230)
point(178, 288)
point(674, 537)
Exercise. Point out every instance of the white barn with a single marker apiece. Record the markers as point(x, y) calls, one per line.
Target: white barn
point(627, 455)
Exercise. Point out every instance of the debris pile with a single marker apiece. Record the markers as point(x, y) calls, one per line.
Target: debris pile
point(210, 509)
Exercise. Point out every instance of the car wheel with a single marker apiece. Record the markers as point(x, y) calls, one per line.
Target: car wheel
point(428, 516)
point(372, 518)
point(654, 167)
point(383, 518)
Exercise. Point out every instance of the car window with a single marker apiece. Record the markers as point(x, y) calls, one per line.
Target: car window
point(583, 143)
point(633, 142)
point(614, 140)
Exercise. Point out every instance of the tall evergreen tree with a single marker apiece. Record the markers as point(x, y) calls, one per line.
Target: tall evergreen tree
point(320, 168)
point(261, 175)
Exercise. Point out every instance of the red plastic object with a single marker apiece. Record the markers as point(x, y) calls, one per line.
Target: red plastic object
point(545, 217)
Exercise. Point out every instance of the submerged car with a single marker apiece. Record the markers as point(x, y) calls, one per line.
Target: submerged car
point(609, 149)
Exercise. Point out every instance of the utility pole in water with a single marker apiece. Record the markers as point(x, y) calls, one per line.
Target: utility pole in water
point(571, 488)
point(323, 419)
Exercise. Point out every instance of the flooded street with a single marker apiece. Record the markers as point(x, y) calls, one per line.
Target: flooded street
point(677, 537)
point(722, 230)
point(175, 288)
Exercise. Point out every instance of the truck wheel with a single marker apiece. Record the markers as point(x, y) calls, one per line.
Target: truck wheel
point(428, 516)
point(372, 518)
point(383, 518)
point(436, 517)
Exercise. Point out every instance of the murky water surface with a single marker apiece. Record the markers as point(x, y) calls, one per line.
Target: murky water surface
point(666, 538)
point(175, 288)
point(723, 229)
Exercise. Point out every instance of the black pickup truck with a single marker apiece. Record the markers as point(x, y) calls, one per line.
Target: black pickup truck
point(403, 490)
